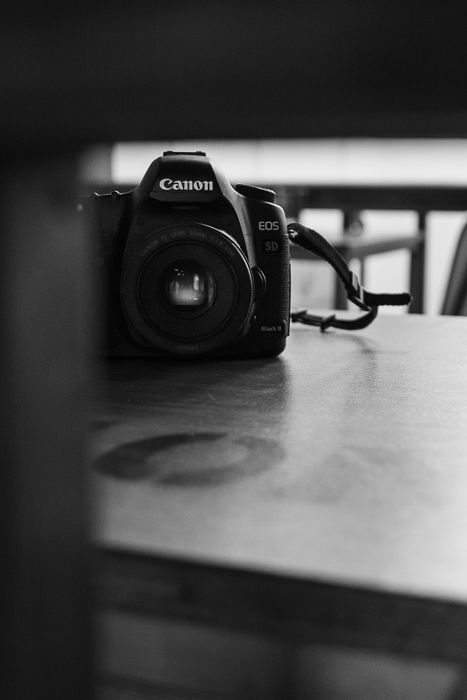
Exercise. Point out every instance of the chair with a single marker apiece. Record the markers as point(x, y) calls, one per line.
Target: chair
point(455, 298)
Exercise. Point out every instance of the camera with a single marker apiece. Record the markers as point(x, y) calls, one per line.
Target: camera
point(191, 265)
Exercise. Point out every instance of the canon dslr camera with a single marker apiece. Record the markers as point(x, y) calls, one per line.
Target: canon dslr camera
point(192, 266)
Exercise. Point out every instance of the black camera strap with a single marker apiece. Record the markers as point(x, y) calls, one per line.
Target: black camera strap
point(368, 302)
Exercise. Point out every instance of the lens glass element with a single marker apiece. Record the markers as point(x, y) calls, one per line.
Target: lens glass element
point(188, 283)
point(193, 292)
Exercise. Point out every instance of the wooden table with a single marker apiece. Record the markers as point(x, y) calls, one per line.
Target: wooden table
point(319, 498)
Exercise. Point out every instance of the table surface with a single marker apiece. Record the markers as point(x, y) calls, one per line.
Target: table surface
point(343, 462)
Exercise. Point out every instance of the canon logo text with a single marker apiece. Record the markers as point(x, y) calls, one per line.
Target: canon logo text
point(187, 185)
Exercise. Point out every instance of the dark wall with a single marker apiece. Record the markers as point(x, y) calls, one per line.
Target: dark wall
point(111, 71)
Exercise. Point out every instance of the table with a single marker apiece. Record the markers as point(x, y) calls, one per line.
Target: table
point(316, 498)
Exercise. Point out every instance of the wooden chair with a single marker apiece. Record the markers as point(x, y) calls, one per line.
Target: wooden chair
point(455, 298)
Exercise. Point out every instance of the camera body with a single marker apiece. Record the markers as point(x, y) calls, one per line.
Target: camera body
point(191, 266)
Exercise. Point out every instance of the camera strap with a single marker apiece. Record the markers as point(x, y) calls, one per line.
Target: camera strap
point(367, 301)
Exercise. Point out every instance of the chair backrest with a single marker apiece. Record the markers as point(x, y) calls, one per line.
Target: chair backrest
point(455, 298)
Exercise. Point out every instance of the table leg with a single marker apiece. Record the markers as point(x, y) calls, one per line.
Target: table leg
point(417, 268)
point(340, 294)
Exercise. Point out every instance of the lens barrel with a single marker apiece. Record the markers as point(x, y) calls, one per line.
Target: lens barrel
point(191, 292)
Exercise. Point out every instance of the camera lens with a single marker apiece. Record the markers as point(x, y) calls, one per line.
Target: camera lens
point(191, 292)
point(187, 283)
